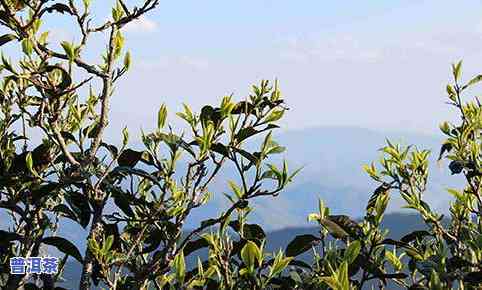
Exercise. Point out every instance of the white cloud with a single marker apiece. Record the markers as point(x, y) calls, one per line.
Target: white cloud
point(195, 63)
point(335, 48)
point(141, 25)
point(179, 62)
point(377, 47)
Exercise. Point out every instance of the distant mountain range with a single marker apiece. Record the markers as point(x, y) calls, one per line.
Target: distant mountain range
point(397, 224)
point(332, 160)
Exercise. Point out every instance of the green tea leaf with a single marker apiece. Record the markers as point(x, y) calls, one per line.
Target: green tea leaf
point(179, 265)
point(69, 50)
point(352, 252)
point(161, 117)
point(250, 254)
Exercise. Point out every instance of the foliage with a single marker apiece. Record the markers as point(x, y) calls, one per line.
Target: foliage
point(71, 172)
point(445, 256)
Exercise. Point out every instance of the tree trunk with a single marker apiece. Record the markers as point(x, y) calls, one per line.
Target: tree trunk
point(85, 281)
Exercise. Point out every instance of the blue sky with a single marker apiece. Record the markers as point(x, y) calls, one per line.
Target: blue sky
point(374, 64)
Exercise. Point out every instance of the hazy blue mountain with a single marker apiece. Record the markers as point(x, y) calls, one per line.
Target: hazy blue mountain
point(397, 224)
point(332, 158)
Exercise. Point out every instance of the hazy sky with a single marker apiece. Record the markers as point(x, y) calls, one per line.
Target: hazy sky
point(375, 64)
